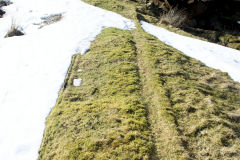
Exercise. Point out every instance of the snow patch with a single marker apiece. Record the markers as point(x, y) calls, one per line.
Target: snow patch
point(80, 70)
point(213, 55)
point(77, 82)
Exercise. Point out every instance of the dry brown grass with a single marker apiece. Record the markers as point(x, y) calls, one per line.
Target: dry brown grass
point(175, 17)
point(15, 30)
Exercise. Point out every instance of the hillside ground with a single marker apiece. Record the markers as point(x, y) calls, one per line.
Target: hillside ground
point(141, 99)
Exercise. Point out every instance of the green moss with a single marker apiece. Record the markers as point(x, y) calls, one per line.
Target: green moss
point(230, 41)
point(104, 118)
point(187, 103)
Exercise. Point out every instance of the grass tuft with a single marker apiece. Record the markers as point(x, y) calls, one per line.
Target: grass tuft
point(15, 30)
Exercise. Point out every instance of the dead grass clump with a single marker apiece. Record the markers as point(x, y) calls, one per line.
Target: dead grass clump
point(188, 104)
point(193, 109)
point(175, 17)
point(15, 30)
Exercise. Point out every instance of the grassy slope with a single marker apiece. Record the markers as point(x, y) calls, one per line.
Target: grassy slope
point(105, 117)
point(187, 104)
point(127, 75)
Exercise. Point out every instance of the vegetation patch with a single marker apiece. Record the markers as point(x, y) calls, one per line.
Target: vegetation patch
point(136, 10)
point(190, 105)
point(15, 30)
point(142, 99)
point(127, 8)
point(104, 118)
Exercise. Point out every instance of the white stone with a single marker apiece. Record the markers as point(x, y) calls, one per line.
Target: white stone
point(77, 82)
point(80, 70)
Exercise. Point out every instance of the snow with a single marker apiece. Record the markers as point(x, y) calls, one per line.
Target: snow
point(33, 66)
point(213, 55)
point(77, 82)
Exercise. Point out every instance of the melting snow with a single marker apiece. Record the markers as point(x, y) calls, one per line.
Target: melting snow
point(213, 55)
point(33, 66)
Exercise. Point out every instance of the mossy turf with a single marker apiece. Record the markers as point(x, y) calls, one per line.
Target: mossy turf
point(104, 118)
point(188, 102)
point(141, 99)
